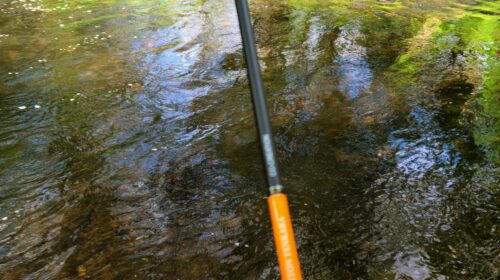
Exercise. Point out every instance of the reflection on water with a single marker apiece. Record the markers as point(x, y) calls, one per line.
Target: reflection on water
point(419, 150)
point(128, 147)
point(354, 72)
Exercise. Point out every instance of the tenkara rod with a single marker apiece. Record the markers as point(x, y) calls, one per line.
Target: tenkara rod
point(284, 240)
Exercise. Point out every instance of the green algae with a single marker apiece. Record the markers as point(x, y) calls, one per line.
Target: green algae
point(474, 36)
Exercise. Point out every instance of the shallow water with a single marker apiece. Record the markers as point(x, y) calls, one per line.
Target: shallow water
point(128, 148)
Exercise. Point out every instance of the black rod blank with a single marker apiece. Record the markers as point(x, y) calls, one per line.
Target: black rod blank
point(258, 97)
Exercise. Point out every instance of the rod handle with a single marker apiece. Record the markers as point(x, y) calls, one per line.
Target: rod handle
point(288, 258)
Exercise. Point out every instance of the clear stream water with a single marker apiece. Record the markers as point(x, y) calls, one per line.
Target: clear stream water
point(128, 147)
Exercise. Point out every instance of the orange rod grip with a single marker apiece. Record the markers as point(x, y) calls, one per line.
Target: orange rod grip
point(288, 259)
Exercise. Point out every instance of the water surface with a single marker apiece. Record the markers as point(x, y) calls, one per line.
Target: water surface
point(128, 147)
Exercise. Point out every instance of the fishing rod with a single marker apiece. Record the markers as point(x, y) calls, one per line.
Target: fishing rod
point(284, 240)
